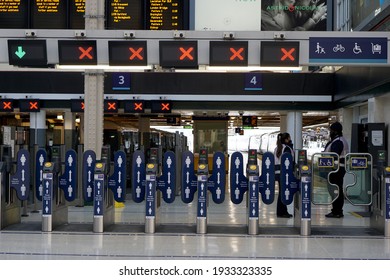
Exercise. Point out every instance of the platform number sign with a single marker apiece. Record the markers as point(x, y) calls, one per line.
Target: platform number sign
point(121, 81)
point(253, 81)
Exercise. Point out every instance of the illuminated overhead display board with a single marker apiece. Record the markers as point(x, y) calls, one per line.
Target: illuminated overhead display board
point(228, 53)
point(13, 14)
point(27, 52)
point(127, 53)
point(279, 54)
point(76, 14)
point(134, 106)
point(29, 105)
point(79, 52)
point(6, 105)
point(167, 15)
point(161, 106)
point(179, 54)
point(49, 14)
point(125, 14)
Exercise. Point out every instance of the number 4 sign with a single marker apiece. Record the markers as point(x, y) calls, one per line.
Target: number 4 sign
point(253, 81)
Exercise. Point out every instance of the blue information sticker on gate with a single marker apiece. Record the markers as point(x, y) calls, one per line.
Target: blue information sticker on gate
point(359, 162)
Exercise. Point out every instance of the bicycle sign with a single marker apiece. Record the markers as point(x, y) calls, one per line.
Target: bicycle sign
point(325, 162)
point(359, 163)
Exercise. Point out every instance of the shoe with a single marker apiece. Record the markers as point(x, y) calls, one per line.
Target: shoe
point(287, 215)
point(333, 215)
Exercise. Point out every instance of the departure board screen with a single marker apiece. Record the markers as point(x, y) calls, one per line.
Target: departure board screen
point(167, 14)
point(49, 14)
point(76, 14)
point(125, 14)
point(14, 14)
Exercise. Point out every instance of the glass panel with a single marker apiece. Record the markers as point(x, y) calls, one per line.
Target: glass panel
point(360, 166)
point(323, 192)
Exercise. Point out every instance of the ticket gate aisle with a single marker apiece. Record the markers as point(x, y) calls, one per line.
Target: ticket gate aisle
point(147, 180)
point(253, 184)
point(14, 185)
point(358, 190)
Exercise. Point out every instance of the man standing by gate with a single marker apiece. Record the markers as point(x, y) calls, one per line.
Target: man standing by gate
point(338, 145)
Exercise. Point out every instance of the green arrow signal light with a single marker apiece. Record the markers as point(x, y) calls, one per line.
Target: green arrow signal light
point(20, 52)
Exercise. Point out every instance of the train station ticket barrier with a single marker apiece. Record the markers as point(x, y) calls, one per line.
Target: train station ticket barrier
point(57, 186)
point(253, 184)
point(357, 165)
point(146, 181)
point(202, 183)
point(108, 186)
point(15, 186)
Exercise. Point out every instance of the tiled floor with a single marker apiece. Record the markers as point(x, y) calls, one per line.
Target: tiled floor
point(176, 237)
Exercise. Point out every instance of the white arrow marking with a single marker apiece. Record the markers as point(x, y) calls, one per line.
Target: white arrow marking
point(169, 177)
point(119, 176)
point(70, 176)
point(70, 160)
point(237, 162)
point(41, 160)
point(188, 177)
point(237, 180)
point(23, 174)
point(287, 179)
point(89, 161)
point(89, 176)
point(188, 162)
point(47, 209)
point(40, 175)
point(267, 176)
point(150, 211)
point(98, 210)
point(138, 176)
point(218, 178)
point(218, 162)
point(119, 192)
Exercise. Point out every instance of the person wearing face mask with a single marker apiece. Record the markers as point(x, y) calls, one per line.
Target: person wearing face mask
point(338, 145)
point(283, 145)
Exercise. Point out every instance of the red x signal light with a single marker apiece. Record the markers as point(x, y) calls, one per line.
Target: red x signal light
point(85, 53)
point(288, 54)
point(186, 53)
point(110, 106)
point(237, 54)
point(6, 106)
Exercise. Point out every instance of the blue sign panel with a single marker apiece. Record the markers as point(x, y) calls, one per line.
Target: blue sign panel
point(20, 181)
point(150, 204)
point(347, 50)
point(253, 81)
point(253, 193)
point(138, 176)
point(306, 197)
point(167, 182)
point(98, 201)
point(288, 182)
point(325, 162)
point(40, 159)
point(202, 196)
point(188, 178)
point(238, 182)
point(89, 159)
point(121, 81)
point(217, 181)
point(47, 197)
point(117, 181)
point(68, 180)
point(267, 179)
point(358, 163)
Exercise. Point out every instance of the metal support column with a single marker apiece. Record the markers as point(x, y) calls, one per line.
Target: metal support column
point(94, 85)
point(387, 200)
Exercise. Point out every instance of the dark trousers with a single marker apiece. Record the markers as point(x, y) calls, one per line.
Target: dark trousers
point(338, 179)
point(281, 209)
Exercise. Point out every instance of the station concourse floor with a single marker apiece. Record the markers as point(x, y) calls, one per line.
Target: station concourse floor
point(348, 238)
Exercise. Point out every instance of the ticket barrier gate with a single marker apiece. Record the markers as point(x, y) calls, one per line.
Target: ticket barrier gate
point(202, 183)
point(146, 180)
point(97, 182)
point(15, 188)
point(357, 165)
point(56, 185)
point(253, 184)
